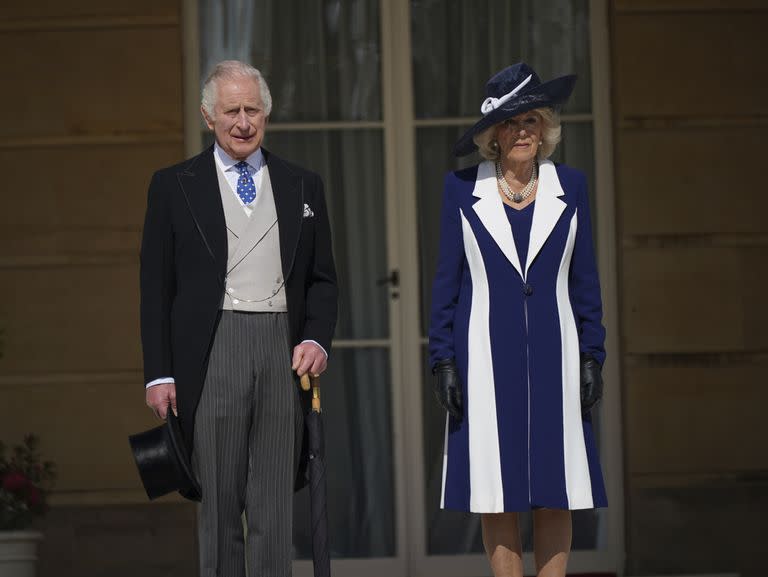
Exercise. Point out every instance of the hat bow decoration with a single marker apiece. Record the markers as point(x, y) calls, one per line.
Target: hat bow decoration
point(490, 104)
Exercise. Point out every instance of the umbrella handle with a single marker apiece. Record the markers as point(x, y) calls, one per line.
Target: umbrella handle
point(314, 384)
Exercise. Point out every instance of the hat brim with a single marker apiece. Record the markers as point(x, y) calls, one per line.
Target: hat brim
point(550, 94)
point(162, 460)
point(194, 491)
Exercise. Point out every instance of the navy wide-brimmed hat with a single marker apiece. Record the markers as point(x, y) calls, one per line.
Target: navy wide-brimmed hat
point(163, 463)
point(515, 90)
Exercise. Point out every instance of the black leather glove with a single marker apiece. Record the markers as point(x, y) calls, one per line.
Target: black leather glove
point(448, 386)
point(591, 382)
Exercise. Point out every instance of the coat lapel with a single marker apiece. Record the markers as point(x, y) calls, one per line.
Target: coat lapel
point(288, 191)
point(547, 211)
point(200, 186)
point(490, 211)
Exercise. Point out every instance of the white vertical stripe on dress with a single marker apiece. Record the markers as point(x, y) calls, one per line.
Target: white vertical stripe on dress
point(577, 481)
point(486, 488)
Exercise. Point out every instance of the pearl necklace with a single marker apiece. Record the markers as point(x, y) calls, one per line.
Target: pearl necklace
point(517, 197)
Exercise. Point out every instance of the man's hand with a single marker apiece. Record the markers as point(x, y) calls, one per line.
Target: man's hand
point(309, 358)
point(159, 397)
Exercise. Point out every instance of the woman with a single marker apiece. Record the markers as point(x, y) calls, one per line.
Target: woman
point(516, 339)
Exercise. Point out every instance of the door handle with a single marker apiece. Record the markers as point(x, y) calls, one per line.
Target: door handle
point(393, 280)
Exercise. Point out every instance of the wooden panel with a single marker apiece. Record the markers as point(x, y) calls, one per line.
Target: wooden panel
point(696, 419)
point(92, 200)
point(150, 541)
point(76, 82)
point(694, 300)
point(51, 9)
point(688, 5)
point(690, 64)
point(83, 427)
point(70, 319)
point(689, 182)
point(715, 528)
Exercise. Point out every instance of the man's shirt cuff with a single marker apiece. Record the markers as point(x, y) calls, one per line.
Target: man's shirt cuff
point(318, 344)
point(161, 381)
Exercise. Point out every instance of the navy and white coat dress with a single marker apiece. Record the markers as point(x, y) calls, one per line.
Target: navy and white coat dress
point(516, 331)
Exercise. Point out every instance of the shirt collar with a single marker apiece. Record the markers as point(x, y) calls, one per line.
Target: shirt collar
point(226, 162)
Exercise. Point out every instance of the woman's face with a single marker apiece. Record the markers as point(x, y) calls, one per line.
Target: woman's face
point(519, 137)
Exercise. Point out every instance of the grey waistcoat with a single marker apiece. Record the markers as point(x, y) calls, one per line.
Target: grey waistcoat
point(254, 281)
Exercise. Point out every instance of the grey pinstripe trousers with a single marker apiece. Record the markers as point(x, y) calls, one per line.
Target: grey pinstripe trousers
point(247, 443)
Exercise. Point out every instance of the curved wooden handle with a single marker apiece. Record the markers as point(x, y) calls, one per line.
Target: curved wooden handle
point(314, 384)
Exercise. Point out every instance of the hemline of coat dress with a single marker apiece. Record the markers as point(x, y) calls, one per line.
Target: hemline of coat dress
point(516, 330)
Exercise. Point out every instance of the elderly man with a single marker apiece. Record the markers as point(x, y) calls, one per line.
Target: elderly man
point(238, 289)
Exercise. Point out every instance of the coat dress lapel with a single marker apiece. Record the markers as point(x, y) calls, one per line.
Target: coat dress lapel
point(490, 211)
point(546, 212)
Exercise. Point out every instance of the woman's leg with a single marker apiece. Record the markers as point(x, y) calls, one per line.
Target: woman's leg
point(551, 541)
point(501, 537)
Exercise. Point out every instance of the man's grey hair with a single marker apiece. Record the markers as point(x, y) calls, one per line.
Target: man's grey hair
point(232, 70)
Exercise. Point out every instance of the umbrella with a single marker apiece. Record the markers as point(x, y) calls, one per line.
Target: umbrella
point(317, 488)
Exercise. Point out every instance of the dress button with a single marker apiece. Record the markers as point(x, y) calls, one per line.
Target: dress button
point(527, 290)
point(235, 302)
point(230, 290)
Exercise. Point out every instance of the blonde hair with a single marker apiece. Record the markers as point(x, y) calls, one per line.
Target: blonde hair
point(550, 136)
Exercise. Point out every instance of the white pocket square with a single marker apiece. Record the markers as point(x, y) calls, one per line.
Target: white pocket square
point(308, 211)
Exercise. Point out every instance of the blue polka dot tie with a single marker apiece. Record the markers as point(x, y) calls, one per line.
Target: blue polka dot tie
point(246, 190)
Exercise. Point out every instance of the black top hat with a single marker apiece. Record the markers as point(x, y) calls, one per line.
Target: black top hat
point(163, 463)
point(515, 90)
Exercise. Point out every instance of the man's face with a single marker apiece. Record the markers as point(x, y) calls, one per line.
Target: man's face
point(238, 119)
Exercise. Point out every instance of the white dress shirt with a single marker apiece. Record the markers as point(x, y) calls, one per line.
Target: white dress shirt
point(226, 164)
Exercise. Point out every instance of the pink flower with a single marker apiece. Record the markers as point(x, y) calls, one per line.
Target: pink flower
point(34, 496)
point(15, 481)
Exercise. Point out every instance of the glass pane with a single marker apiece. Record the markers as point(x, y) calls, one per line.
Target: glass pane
point(434, 159)
point(458, 45)
point(357, 417)
point(321, 59)
point(577, 149)
point(355, 195)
